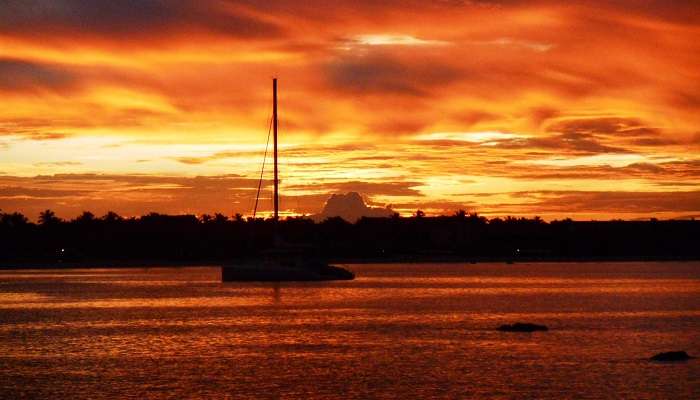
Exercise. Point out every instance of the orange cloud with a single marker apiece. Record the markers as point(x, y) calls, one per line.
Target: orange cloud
point(435, 105)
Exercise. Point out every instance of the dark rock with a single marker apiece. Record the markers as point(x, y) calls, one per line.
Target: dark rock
point(672, 356)
point(522, 327)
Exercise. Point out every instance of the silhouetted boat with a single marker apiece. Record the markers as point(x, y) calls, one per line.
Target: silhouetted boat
point(671, 356)
point(522, 327)
point(282, 263)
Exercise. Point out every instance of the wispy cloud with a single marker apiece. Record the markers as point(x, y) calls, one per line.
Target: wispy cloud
point(517, 43)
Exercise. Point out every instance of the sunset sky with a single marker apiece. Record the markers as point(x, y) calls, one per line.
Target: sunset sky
point(588, 110)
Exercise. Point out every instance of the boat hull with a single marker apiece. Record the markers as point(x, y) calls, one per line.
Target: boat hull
point(251, 272)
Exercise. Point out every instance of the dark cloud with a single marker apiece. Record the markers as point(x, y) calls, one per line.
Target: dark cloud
point(401, 188)
point(384, 74)
point(473, 117)
point(570, 142)
point(612, 126)
point(686, 168)
point(590, 135)
point(678, 169)
point(70, 194)
point(17, 192)
point(19, 75)
point(29, 129)
point(444, 207)
point(539, 115)
point(128, 18)
point(677, 11)
point(399, 126)
point(645, 167)
point(57, 163)
point(212, 157)
point(654, 142)
point(617, 202)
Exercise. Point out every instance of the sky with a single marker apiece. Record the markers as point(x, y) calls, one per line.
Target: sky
point(580, 109)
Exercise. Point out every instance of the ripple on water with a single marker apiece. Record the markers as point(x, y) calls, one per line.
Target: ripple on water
point(398, 331)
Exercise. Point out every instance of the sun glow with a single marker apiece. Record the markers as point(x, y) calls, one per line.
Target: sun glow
point(396, 40)
point(472, 137)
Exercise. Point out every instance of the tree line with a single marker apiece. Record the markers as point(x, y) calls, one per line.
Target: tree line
point(462, 236)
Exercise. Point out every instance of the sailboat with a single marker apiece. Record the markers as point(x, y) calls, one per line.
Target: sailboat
point(282, 263)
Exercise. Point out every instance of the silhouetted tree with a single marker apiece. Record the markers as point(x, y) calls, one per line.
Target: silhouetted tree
point(85, 217)
point(13, 220)
point(467, 235)
point(475, 218)
point(48, 217)
point(220, 218)
point(111, 217)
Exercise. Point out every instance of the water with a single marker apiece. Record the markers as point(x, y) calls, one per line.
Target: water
point(398, 331)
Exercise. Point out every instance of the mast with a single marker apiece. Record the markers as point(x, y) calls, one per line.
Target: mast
point(274, 119)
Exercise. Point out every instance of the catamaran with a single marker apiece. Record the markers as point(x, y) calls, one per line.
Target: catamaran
point(282, 263)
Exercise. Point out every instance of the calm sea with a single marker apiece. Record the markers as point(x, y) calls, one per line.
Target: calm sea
point(398, 331)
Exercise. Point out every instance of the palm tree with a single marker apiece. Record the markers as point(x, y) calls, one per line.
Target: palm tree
point(48, 217)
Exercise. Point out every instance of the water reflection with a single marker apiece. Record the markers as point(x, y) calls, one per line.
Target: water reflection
point(401, 331)
point(276, 294)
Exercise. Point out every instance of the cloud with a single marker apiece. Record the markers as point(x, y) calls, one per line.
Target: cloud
point(611, 126)
point(571, 142)
point(588, 135)
point(635, 170)
point(400, 188)
point(128, 18)
point(70, 194)
point(57, 163)
point(212, 157)
point(517, 43)
point(618, 202)
point(31, 129)
point(435, 207)
point(601, 88)
point(385, 74)
point(350, 207)
point(19, 75)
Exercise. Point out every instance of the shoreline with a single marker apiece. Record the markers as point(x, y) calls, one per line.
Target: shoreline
point(407, 259)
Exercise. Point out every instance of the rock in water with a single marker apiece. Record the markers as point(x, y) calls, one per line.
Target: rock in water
point(522, 327)
point(672, 356)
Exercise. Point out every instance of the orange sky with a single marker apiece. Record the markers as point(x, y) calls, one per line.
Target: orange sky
point(560, 109)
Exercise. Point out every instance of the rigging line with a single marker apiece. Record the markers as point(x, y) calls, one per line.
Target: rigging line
point(262, 169)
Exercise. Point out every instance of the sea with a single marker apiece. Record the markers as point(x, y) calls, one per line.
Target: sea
point(399, 331)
